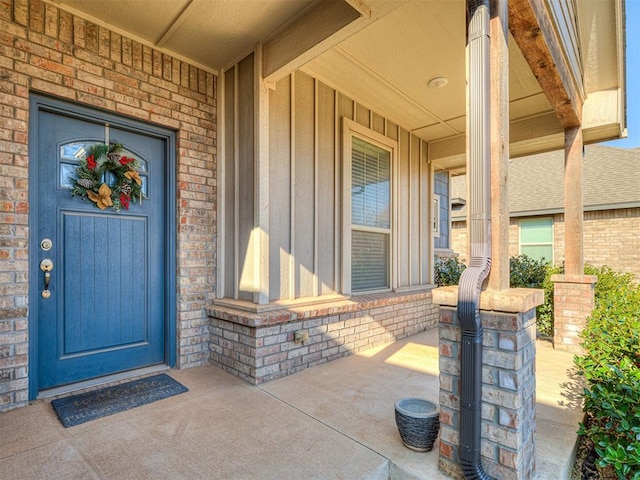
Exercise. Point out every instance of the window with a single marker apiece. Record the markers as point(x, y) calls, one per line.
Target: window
point(72, 153)
point(436, 216)
point(368, 224)
point(536, 238)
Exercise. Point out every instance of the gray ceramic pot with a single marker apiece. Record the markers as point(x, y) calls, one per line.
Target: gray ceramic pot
point(418, 422)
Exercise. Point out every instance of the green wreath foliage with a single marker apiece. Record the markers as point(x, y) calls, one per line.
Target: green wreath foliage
point(108, 178)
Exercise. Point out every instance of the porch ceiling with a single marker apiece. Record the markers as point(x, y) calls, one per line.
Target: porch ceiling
point(384, 58)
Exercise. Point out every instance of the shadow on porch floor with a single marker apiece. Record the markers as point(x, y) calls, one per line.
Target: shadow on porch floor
point(334, 421)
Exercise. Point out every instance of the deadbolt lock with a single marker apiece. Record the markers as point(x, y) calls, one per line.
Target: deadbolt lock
point(46, 244)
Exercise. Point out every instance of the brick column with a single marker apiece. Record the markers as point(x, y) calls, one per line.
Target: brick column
point(508, 382)
point(573, 301)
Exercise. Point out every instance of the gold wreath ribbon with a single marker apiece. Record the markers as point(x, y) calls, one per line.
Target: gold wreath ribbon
point(133, 175)
point(102, 198)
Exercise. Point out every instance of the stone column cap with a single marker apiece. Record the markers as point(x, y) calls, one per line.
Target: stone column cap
point(512, 300)
point(561, 278)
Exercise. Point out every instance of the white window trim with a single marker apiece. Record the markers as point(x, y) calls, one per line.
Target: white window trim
point(538, 244)
point(349, 130)
point(435, 217)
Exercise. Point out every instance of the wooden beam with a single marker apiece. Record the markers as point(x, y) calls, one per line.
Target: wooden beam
point(533, 31)
point(499, 274)
point(323, 25)
point(573, 203)
point(306, 37)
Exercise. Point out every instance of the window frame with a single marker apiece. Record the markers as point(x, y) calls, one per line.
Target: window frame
point(352, 129)
point(435, 216)
point(537, 244)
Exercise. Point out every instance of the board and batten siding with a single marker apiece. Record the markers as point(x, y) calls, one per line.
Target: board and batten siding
point(238, 172)
point(305, 247)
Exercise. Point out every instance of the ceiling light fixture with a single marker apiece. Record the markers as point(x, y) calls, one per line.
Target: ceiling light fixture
point(438, 82)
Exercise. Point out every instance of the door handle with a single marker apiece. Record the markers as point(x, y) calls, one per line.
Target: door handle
point(46, 265)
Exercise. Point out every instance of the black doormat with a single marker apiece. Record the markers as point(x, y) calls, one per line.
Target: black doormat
point(88, 406)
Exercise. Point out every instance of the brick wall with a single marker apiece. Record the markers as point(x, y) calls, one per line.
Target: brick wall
point(508, 393)
point(261, 347)
point(45, 49)
point(514, 237)
point(459, 239)
point(610, 238)
point(558, 239)
point(573, 300)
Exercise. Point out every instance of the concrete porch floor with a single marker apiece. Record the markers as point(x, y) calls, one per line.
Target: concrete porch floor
point(334, 421)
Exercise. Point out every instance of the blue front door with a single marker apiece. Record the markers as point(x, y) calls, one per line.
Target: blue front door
point(105, 308)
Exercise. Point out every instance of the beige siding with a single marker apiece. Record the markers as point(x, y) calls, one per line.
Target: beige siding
point(414, 213)
point(305, 243)
point(363, 116)
point(403, 205)
point(327, 192)
point(239, 179)
point(280, 191)
point(304, 211)
point(305, 199)
point(245, 175)
point(377, 123)
point(426, 238)
point(228, 233)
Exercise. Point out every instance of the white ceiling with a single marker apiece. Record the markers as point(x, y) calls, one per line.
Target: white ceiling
point(385, 65)
point(211, 33)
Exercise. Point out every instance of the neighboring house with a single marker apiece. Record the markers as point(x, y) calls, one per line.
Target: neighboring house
point(535, 183)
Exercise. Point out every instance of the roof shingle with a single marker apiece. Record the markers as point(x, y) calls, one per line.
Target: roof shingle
point(536, 183)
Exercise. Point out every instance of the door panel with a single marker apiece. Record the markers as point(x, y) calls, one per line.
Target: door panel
point(105, 313)
point(101, 312)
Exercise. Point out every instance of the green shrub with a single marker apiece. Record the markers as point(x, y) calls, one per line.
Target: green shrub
point(544, 312)
point(447, 271)
point(608, 281)
point(525, 272)
point(611, 368)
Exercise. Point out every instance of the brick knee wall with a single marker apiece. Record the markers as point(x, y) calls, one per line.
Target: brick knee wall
point(508, 393)
point(261, 347)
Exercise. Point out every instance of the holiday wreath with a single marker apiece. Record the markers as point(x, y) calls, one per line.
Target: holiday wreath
point(104, 163)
